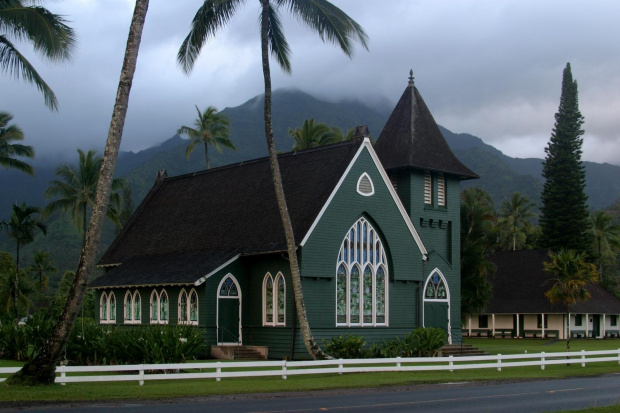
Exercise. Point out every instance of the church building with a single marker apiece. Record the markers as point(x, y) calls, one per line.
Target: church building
point(377, 231)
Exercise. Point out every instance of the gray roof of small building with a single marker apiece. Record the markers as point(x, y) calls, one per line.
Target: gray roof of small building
point(189, 225)
point(520, 283)
point(412, 139)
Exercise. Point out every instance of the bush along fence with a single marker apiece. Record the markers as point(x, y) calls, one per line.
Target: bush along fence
point(220, 370)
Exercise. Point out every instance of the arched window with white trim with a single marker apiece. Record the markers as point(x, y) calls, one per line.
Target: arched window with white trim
point(111, 308)
point(132, 307)
point(103, 308)
point(274, 300)
point(361, 278)
point(154, 306)
point(188, 307)
point(163, 307)
point(128, 305)
point(182, 311)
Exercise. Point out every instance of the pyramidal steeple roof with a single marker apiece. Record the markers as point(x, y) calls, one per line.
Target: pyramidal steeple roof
point(412, 139)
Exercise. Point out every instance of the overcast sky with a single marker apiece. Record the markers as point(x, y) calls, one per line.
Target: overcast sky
point(490, 68)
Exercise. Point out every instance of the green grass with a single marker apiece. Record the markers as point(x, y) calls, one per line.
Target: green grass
point(180, 388)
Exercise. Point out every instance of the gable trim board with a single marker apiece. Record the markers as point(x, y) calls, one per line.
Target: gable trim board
point(386, 180)
point(226, 264)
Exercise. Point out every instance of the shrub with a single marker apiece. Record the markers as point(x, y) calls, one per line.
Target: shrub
point(346, 347)
point(422, 342)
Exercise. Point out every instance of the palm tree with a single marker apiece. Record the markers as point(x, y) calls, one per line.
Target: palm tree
point(571, 276)
point(344, 136)
point(50, 36)
point(8, 292)
point(477, 220)
point(311, 135)
point(42, 370)
point(76, 190)
point(8, 150)
point(331, 24)
point(21, 228)
point(42, 264)
point(606, 236)
point(516, 214)
point(211, 128)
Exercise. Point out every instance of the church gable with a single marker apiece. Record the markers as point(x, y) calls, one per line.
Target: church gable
point(363, 192)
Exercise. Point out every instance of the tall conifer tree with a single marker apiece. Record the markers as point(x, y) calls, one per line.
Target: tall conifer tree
point(564, 219)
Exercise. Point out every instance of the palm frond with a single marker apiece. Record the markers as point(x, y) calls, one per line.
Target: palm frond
point(277, 41)
point(212, 16)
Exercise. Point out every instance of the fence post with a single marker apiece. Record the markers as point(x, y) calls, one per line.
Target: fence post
point(63, 375)
point(451, 363)
point(218, 371)
point(398, 363)
point(542, 360)
point(583, 358)
point(340, 366)
point(284, 370)
point(619, 356)
point(141, 374)
point(499, 362)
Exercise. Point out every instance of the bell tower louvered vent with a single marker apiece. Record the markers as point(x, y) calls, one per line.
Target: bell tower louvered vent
point(365, 186)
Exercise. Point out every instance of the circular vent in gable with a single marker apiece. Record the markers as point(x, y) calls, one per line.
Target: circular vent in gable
point(365, 186)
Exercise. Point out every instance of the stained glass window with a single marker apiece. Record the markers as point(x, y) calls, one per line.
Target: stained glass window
point(435, 288)
point(361, 295)
point(103, 305)
point(112, 307)
point(229, 288)
point(154, 307)
point(274, 300)
point(193, 306)
point(128, 307)
point(269, 300)
point(183, 307)
point(163, 307)
point(281, 288)
point(136, 307)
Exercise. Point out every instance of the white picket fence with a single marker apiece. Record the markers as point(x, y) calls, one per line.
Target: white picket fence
point(219, 370)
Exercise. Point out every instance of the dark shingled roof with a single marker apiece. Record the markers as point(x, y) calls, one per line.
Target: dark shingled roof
point(412, 139)
point(164, 269)
point(520, 283)
point(227, 210)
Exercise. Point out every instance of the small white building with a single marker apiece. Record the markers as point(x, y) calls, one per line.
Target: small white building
point(520, 309)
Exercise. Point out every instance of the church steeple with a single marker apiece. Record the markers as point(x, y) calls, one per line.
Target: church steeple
point(412, 139)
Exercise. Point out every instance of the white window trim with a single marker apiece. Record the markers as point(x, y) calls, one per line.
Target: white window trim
point(154, 299)
point(372, 185)
point(375, 264)
point(131, 299)
point(188, 308)
point(275, 302)
point(436, 300)
point(441, 190)
point(161, 294)
point(428, 188)
point(107, 298)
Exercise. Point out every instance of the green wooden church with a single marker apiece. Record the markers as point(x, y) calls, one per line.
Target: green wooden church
point(377, 230)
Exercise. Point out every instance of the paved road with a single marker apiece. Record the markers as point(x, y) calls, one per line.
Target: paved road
point(529, 396)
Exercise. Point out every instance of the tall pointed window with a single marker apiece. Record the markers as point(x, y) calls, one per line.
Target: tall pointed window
point(428, 188)
point(154, 307)
point(441, 190)
point(274, 300)
point(132, 307)
point(159, 307)
point(107, 308)
point(361, 278)
point(188, 307)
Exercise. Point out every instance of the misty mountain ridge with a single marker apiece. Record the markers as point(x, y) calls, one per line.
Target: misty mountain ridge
point(500, 175)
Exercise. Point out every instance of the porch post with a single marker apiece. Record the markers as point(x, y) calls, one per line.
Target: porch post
point(587, 325)
point(469, 324)
point(543, 325)
point(493, 318)
point(518, 328)
point(566, 325)
point(603, 326)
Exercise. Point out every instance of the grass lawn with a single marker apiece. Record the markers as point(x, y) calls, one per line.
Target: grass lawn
point(178, 388)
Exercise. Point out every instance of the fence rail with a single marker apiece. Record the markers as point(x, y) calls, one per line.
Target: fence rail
point(219, 370)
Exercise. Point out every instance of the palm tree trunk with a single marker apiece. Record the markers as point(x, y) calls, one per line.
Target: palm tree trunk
point(41, 370)
point(84, 224)
point(313, 348)
point(16, 286)
point(207, 154)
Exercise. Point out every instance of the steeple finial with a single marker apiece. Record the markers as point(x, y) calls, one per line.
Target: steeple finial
point(411, 77)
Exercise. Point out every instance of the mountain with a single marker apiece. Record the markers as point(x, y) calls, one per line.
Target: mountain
point(500, 174)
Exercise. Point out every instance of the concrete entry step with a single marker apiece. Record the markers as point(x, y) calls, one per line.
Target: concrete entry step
point(239, 352)
point(461, 350)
